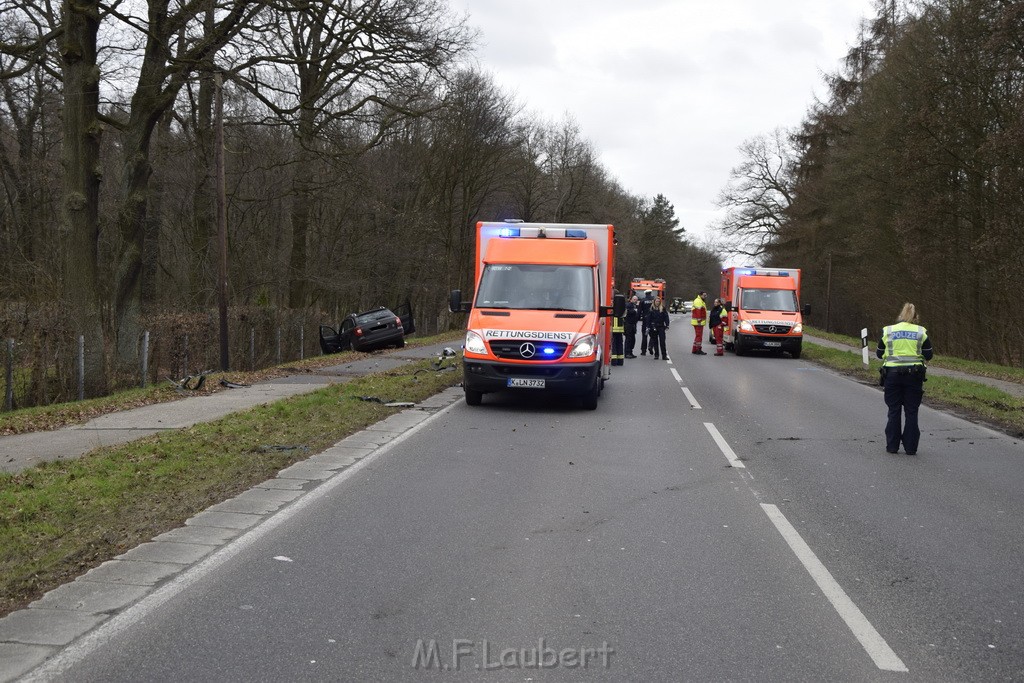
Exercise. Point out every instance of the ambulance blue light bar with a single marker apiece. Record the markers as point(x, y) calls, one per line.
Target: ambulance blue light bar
point(571, 233)
point(755, 271)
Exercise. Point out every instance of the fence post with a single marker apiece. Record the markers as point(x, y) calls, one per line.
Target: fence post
point(145, 358)
point(81, 367)
point(252, 348)
point(9, 392)
point(278, 346)
point(302, 342)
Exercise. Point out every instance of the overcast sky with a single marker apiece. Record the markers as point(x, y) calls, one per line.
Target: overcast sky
point(666, 90)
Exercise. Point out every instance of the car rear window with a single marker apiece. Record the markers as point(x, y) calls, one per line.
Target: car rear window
point(374, 316)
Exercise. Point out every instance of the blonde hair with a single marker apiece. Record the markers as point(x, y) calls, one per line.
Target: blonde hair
point(658, 304)
point(908, 314)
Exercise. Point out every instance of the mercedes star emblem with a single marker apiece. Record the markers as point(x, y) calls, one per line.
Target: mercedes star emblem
point(527, 350)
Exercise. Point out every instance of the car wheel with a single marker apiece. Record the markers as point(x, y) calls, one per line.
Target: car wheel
point(738, 347)
point(400, 344)
point(795, 352)
point(473, 397)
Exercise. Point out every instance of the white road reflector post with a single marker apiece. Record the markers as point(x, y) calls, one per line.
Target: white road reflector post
point(864, 346)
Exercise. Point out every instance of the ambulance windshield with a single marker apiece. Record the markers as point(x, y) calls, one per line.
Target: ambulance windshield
point(536, 287)
point(769, 300)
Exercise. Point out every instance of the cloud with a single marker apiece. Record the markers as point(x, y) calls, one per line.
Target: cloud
point(667, 90)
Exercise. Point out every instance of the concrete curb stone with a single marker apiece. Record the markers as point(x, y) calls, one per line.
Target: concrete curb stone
point(30, 636)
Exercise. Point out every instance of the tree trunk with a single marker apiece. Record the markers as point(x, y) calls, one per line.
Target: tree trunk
point(81, 157)
point(132, 227)
point(302, 185)
point(154, 219)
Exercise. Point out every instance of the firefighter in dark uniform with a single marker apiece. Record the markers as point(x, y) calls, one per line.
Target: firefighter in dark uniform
point(717, 318)
point(903, 348)
point(631, 319)
point(645, 310)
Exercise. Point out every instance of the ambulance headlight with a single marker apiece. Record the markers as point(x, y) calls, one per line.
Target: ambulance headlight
point(746, 326)
point(798, 328)
point(475, 343)
point(584, 347)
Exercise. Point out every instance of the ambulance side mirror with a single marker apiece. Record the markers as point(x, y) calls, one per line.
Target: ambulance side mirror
point(456, 304)
point(807, 309)
point(617, 309)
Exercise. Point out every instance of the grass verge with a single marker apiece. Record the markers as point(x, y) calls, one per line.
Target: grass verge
point(59, 415)
point(974, 399)
point(972, 367)
point(62, 518)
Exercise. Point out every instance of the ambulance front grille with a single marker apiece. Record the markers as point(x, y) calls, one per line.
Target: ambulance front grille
point(773, 329)
point(519, 350)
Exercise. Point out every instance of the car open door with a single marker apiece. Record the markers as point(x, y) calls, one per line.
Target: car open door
point(329, 340)
point(404, 313)
point(348, 325)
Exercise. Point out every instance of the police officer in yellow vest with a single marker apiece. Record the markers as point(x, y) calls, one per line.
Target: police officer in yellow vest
point(903, 348)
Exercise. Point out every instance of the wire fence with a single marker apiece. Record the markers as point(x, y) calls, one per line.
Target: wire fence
point(45, 361)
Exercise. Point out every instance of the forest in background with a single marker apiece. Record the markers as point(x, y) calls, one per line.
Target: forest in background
point(906, 183)
point(359, 148)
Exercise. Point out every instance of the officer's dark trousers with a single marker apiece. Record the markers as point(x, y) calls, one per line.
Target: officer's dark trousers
point(644, 334)
point(657, 335)
point(630, 341)
point(903, 393)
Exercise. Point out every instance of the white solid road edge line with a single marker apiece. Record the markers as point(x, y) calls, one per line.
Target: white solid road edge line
point(82, 647)
point(730, 455)
point(869, 638)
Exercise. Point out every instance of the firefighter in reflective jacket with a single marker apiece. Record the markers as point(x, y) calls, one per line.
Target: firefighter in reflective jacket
point(903, 348)
point(699, 318)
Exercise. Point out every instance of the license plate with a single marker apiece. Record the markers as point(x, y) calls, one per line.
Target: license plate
point(524, 383)
point(773, 344)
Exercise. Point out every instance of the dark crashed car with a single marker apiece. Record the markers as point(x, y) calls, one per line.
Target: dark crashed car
point(369, 330)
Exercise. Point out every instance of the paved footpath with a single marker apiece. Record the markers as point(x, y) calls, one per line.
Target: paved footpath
point(44, 630)
point(22, 451)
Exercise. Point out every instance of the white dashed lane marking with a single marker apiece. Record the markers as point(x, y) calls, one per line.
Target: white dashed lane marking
point(689, 395)
point(724, 446)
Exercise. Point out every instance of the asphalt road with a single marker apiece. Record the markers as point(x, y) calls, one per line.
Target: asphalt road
point(523, 539)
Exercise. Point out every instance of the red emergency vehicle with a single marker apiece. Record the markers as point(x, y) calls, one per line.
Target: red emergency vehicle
point(764, 309)
point(540, 318)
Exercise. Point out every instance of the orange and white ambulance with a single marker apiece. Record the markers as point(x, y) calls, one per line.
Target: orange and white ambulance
point(764, 309)
point(540, 320)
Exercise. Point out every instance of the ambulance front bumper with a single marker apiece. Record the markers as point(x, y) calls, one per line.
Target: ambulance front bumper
point(561, 378)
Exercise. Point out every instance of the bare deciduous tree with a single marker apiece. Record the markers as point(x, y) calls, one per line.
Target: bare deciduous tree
point(759, 193)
